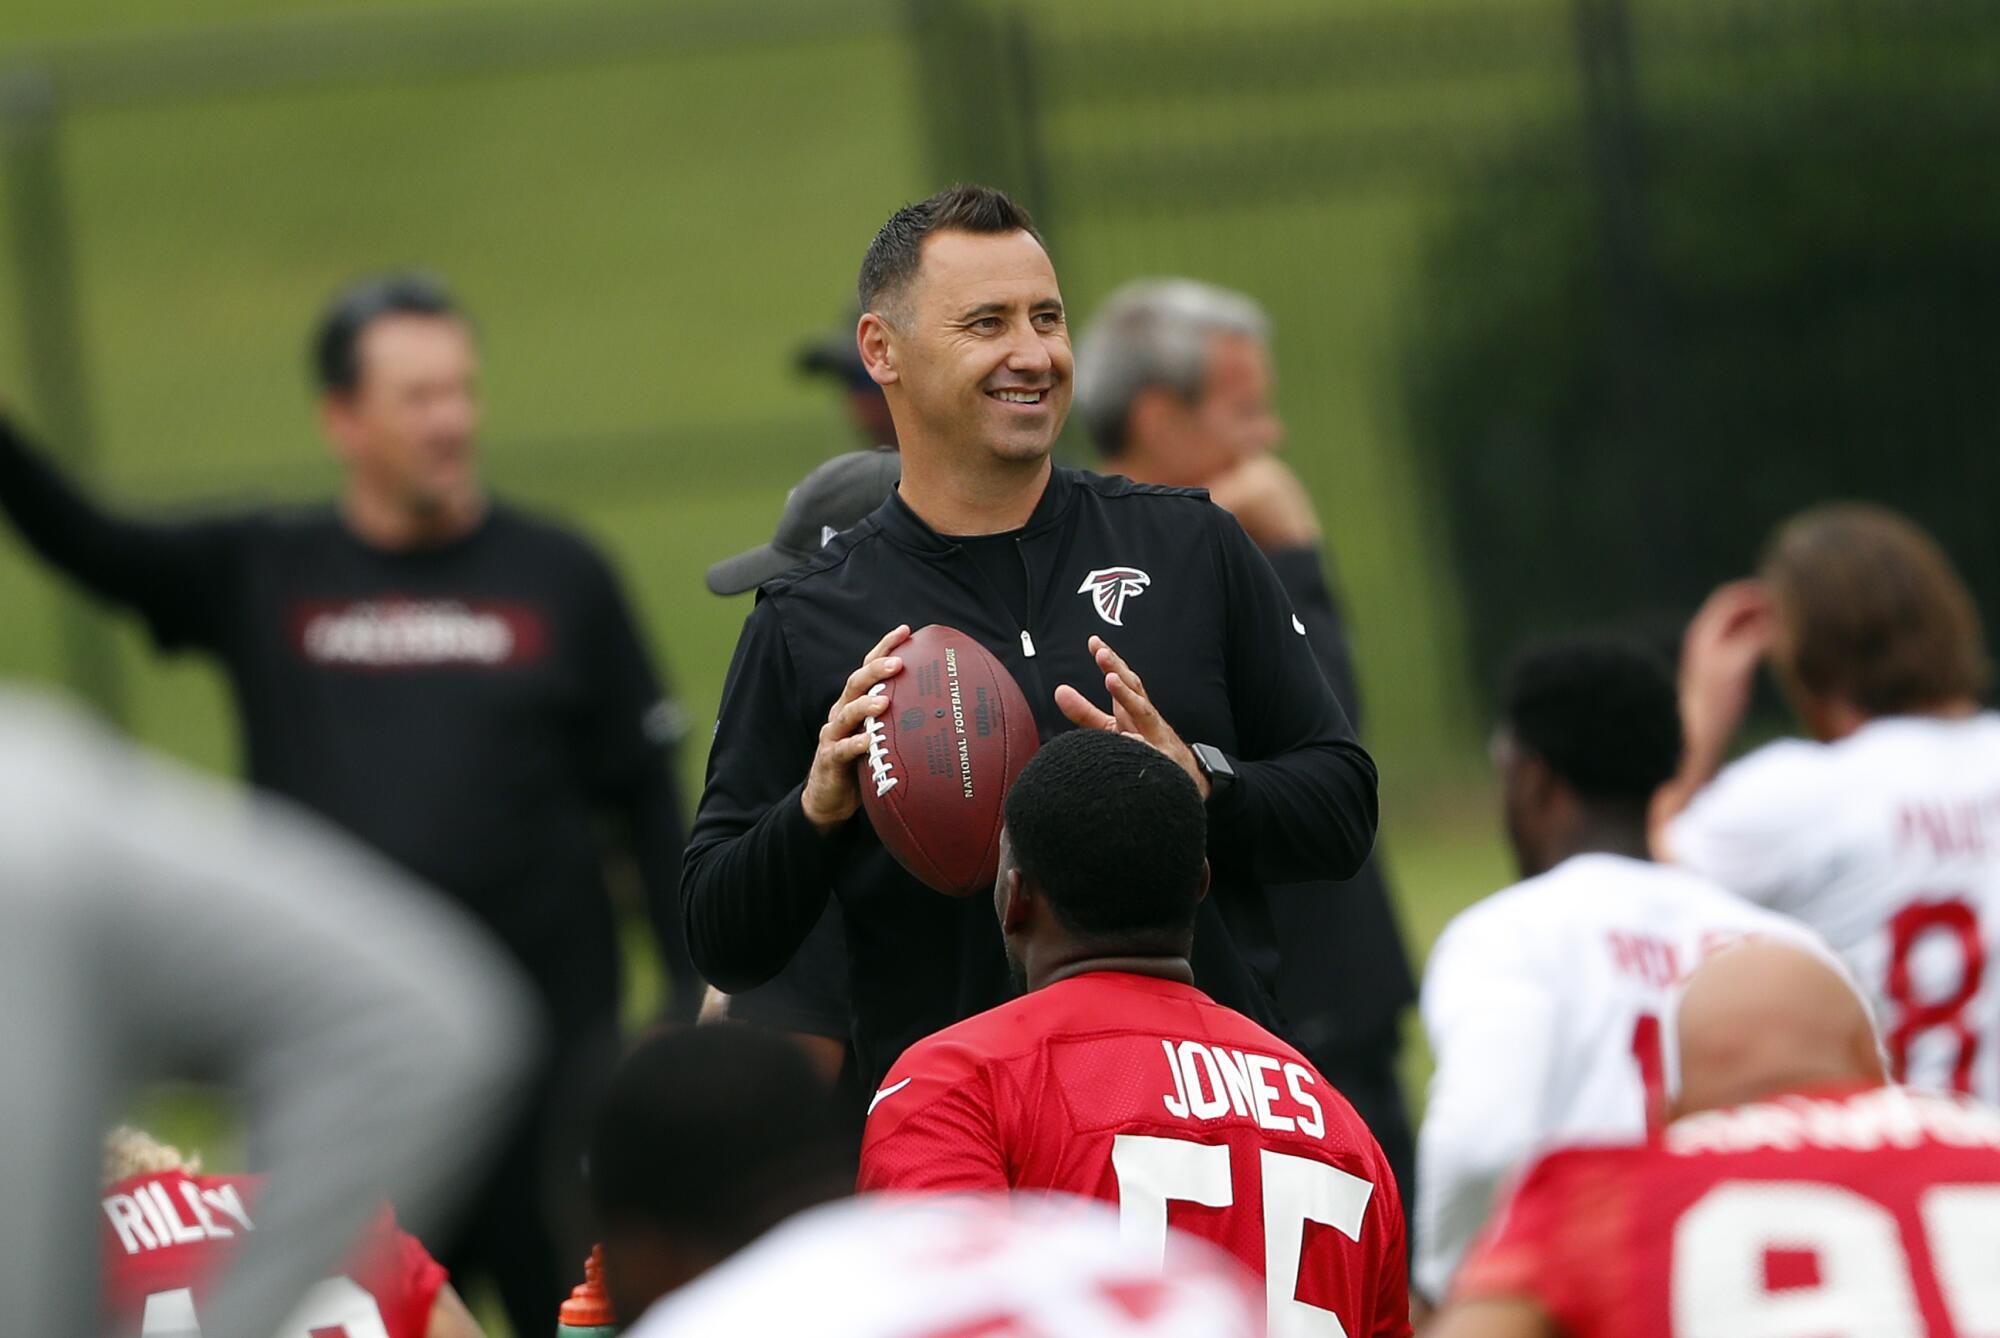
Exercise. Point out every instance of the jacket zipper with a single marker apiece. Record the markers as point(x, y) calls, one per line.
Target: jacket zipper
point(1027, 638)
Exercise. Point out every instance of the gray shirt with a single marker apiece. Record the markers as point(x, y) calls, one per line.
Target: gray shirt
point(155, 925)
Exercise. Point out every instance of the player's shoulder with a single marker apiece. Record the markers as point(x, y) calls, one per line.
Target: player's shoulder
point(280, 526)
point(1516, 916)
point(1126, 502)
point(1117, 487)
point(1225, 1025)
point(545, 533)
point(1793, 775)
point(1566, 1166)
point(967, 1046)
point(1563, 1197)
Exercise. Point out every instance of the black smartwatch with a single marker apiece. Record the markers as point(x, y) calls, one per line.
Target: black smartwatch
point(1215, 766)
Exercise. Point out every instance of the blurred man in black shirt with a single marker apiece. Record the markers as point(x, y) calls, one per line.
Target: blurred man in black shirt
point(455, 681)
point(1175, 386)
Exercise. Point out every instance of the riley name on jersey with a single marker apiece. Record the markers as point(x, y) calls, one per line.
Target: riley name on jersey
point(149, 1218)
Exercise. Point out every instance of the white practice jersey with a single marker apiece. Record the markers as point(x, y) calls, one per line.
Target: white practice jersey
point(952, 1266)
point(1888, 844)
point(1543, 1004)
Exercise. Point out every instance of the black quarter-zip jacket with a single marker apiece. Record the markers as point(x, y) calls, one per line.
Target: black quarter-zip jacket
point(1203, 621)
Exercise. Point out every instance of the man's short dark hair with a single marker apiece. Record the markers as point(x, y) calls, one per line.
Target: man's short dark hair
point(1114, 832)
point(714, 1135)
point(1602, 712)
point(336, 358)
point(898, 249)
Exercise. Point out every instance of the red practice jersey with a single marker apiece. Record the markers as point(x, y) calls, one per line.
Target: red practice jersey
point(1147, 1094)
point(168, 1236)
point(1845, 1214)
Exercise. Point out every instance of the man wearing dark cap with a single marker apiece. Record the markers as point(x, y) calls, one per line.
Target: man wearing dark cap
point(835, 496)
point(457, 682)
point(809, 998)
point(833, 355)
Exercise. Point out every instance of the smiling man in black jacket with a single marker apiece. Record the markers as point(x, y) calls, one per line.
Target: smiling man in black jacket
point(1071, 580)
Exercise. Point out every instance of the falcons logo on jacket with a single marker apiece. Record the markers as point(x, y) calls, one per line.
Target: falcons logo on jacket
point(1110, 587)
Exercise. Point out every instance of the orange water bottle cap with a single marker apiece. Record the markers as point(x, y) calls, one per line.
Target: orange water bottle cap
point(588, 1307)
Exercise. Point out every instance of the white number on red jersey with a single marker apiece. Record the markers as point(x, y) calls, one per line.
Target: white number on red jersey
point(334, 1308)
point(1800, 1259)
point(1151, 1171)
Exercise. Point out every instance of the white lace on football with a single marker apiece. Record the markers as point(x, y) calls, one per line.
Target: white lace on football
point(879, 764)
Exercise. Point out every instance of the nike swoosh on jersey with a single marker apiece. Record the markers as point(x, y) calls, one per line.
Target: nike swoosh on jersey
point(887, 1092)
point(1298, 626)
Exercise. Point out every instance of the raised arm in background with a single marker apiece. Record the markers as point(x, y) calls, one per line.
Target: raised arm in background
point(170, 573)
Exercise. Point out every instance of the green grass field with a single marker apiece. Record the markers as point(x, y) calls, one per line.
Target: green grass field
point(644, 241)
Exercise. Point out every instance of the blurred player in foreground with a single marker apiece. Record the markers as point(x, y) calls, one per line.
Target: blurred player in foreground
point(1116, 1079)
point(1174, 384)
point(457, 682)
point(1795, 1194)
point(720, 1176)
point(1883, 830)
point(152, 926)
point(1543, 1002)
point(704, 1140)
point(169, 1233)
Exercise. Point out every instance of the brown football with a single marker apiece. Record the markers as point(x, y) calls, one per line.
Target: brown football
point(941, 758)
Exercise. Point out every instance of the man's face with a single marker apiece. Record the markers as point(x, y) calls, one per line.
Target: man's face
point(407, 430)
point(981, 349)
point(1234, 420)
point(1230, 420)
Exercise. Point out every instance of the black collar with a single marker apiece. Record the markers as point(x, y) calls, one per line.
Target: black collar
point(907, 529)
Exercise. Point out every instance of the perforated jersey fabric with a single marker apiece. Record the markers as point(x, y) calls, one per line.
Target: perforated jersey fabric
point(1145, 1093)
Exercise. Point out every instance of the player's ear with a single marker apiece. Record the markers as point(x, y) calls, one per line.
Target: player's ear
point(1202, 891)
point(1537, 779)
point(875, 341)
point(1013, 901)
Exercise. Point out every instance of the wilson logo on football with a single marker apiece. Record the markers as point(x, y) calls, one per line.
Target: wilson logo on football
point(1110, 587)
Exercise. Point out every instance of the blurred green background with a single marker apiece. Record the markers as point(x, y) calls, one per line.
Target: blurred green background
point(1572, 298)
point(645, 236)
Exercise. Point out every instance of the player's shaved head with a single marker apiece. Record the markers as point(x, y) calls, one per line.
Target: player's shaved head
point(1762, 1018)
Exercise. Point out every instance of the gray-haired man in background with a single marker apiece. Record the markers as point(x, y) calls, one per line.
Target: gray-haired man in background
point(1174, 385)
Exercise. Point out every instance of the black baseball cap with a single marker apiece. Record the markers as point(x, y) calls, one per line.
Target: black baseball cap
point(834, 497)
